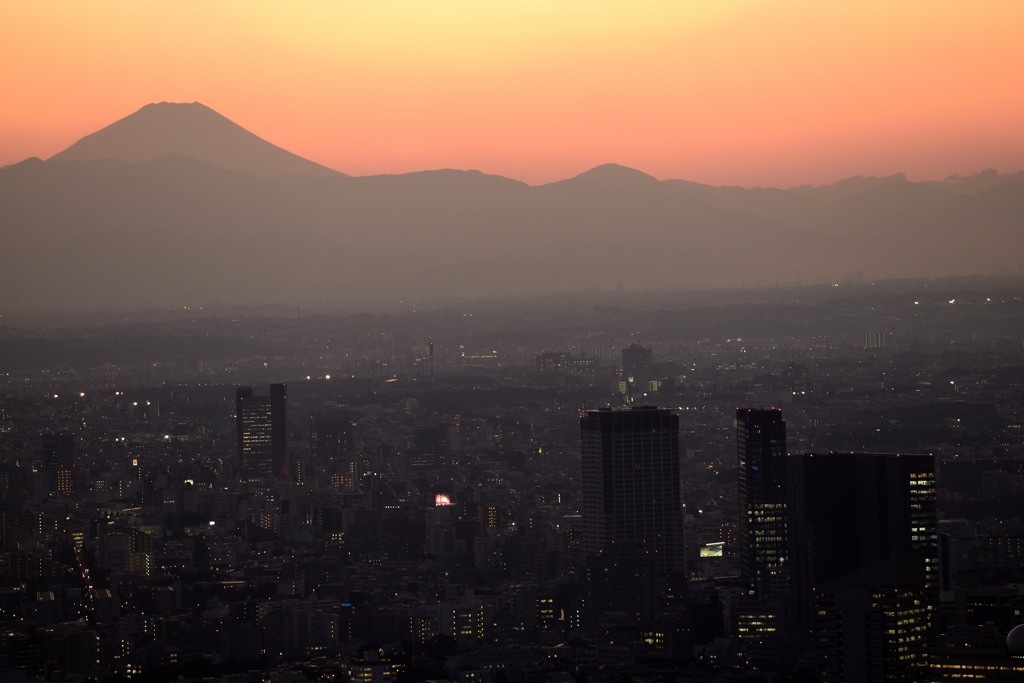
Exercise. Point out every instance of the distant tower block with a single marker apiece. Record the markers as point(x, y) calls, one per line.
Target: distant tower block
point(760, 454)
point(875, 340)
point(636, 367)
point(864, 550)
point(58, 461)
point(631, 491)
point(261, 429)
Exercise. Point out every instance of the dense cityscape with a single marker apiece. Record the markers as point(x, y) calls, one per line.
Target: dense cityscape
point(777, 484)
point(511, 342)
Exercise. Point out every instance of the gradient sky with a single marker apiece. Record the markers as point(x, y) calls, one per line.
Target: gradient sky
point(743, 92)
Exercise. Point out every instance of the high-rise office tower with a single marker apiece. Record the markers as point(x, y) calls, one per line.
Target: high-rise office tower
point(637, 360)
point(631, 491)
point(330, 437)
point(872, 624)
point(849, 510)
point(431, 448)
point(58, 452)
point(761, 456)
point(261, 428)
point(279, 430)
point(636, 369)
point(863, 561)
point(252, 430)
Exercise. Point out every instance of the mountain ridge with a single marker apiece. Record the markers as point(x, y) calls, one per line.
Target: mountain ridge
point(180, 229)
point(159, 122)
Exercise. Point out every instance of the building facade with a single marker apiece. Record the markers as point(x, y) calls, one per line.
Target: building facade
point(631, 489)
point(763, 540)
point(863, 561)
point(261, 428)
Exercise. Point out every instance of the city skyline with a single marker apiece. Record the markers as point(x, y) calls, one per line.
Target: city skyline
point(459, 498)
point(741, 93)
point(534, 341)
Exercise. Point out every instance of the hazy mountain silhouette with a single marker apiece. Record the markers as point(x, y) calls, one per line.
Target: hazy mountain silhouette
point(175, 229)
point(981, 181)
point(613, 175)
point(195, 130)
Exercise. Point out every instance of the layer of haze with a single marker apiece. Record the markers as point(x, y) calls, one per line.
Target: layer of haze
point(750, 93)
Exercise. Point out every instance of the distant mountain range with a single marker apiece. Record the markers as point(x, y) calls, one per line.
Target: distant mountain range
point(176, 205)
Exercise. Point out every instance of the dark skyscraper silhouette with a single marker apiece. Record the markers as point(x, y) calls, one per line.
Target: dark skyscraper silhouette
point(863, 561)
point(261, 426)
point(636, 371)
point(58, 450)
point(279, 429)
point(631, 493)
point(58, 461)
point(632, 512)
point(637, 360)
point(431, 448)
point(330, 436)
point(761, 454)
point(849, 510)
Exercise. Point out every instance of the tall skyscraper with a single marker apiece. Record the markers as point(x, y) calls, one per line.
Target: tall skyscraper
point(863, 561)
point(331, 440)
point(631, 491)
point(872, 624)
point(431, 448)
point(761, 456)
point(849, 510)
point(261, 428)
point(636, 369)
point(58, 452)
point(279, 430)
point(330, 435)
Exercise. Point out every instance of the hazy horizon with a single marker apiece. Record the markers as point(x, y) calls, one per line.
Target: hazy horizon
point(152, 211)
point(87, 137)
point(664, 146)
point(823, 182)
point(738, 94)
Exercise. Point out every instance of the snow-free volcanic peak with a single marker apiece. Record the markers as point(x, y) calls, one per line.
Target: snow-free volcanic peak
point(160, 130)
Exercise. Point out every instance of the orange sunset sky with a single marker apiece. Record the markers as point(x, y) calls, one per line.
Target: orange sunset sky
point(742, 92)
